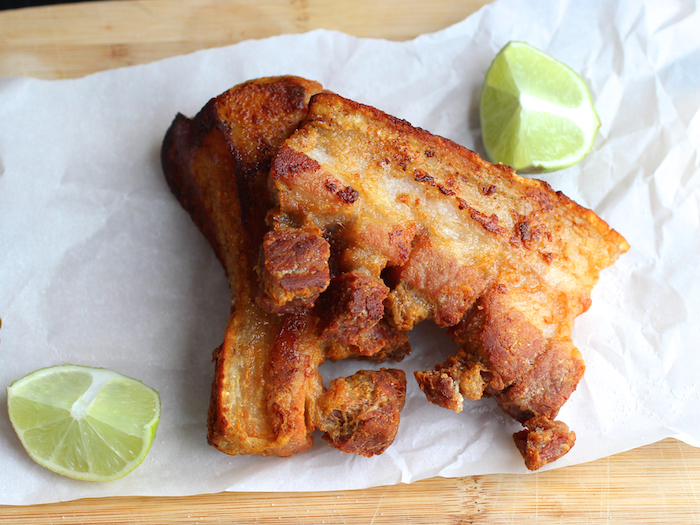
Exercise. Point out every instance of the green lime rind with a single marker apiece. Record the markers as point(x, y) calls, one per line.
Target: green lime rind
point(536, 113)
point(82, 422)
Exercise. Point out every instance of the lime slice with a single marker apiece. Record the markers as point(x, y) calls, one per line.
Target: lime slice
point(536, 113)
point(85, 423)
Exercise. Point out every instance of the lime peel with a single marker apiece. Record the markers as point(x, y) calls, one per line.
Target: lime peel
point(83, 422)
point(536, 112)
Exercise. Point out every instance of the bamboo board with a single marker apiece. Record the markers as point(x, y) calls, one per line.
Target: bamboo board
point(73, 40)
point(656, 484)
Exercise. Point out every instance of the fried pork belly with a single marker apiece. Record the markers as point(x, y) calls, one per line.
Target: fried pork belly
point(543, 441)
point(429, 230)
point(267, 395)
point(360, 413)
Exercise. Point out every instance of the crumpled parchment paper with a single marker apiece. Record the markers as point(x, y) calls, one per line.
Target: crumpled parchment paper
point(100, 266)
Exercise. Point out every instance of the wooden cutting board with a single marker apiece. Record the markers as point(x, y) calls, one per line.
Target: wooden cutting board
point(658, 483)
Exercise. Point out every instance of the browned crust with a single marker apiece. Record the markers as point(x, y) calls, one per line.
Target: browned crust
point(349, 263)
point(435, 278)
point(543, 441)
point(499, 337)
point(177, 157)
point(392, 343)
point(360, 414)
point(458, 378)
point(294, 269)
point(351, 307)
point(470, 169)
point(505, 260)
point(287, 374)
point(216, 164)
point(267, 383)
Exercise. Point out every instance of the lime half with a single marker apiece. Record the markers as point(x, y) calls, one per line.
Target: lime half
point(85, 423)
point(536, 113)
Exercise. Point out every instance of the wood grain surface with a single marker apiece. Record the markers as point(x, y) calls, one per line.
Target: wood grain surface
point(655, 484)
point(72, 40)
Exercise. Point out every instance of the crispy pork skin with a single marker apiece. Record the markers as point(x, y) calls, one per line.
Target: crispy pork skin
point(217, 165)
point(267, 384)
point(504, 261)
point(340, 228)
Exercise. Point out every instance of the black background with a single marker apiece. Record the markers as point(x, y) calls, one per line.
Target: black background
point(17, 4)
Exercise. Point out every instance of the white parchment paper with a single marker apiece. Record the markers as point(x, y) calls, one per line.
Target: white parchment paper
point(100, 266)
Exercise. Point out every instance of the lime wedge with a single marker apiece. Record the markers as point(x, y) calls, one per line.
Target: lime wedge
point(85, 423)
point(536, 113)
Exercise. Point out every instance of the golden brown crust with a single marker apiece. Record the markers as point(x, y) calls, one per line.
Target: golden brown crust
point(365, 227)
point(458, 378)
point(360, 413)
point(294, 269)
point(505, 260)
point(500, 337)
point(351, 308)
point(267, 382)
point(216, 165)
point(433, 284)
point(292, 382)
point(392, 343)
point(543, 441)
point(546, 385)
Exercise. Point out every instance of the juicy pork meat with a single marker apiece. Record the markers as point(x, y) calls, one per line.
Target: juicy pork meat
point(379, 225)
point(267, 395)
